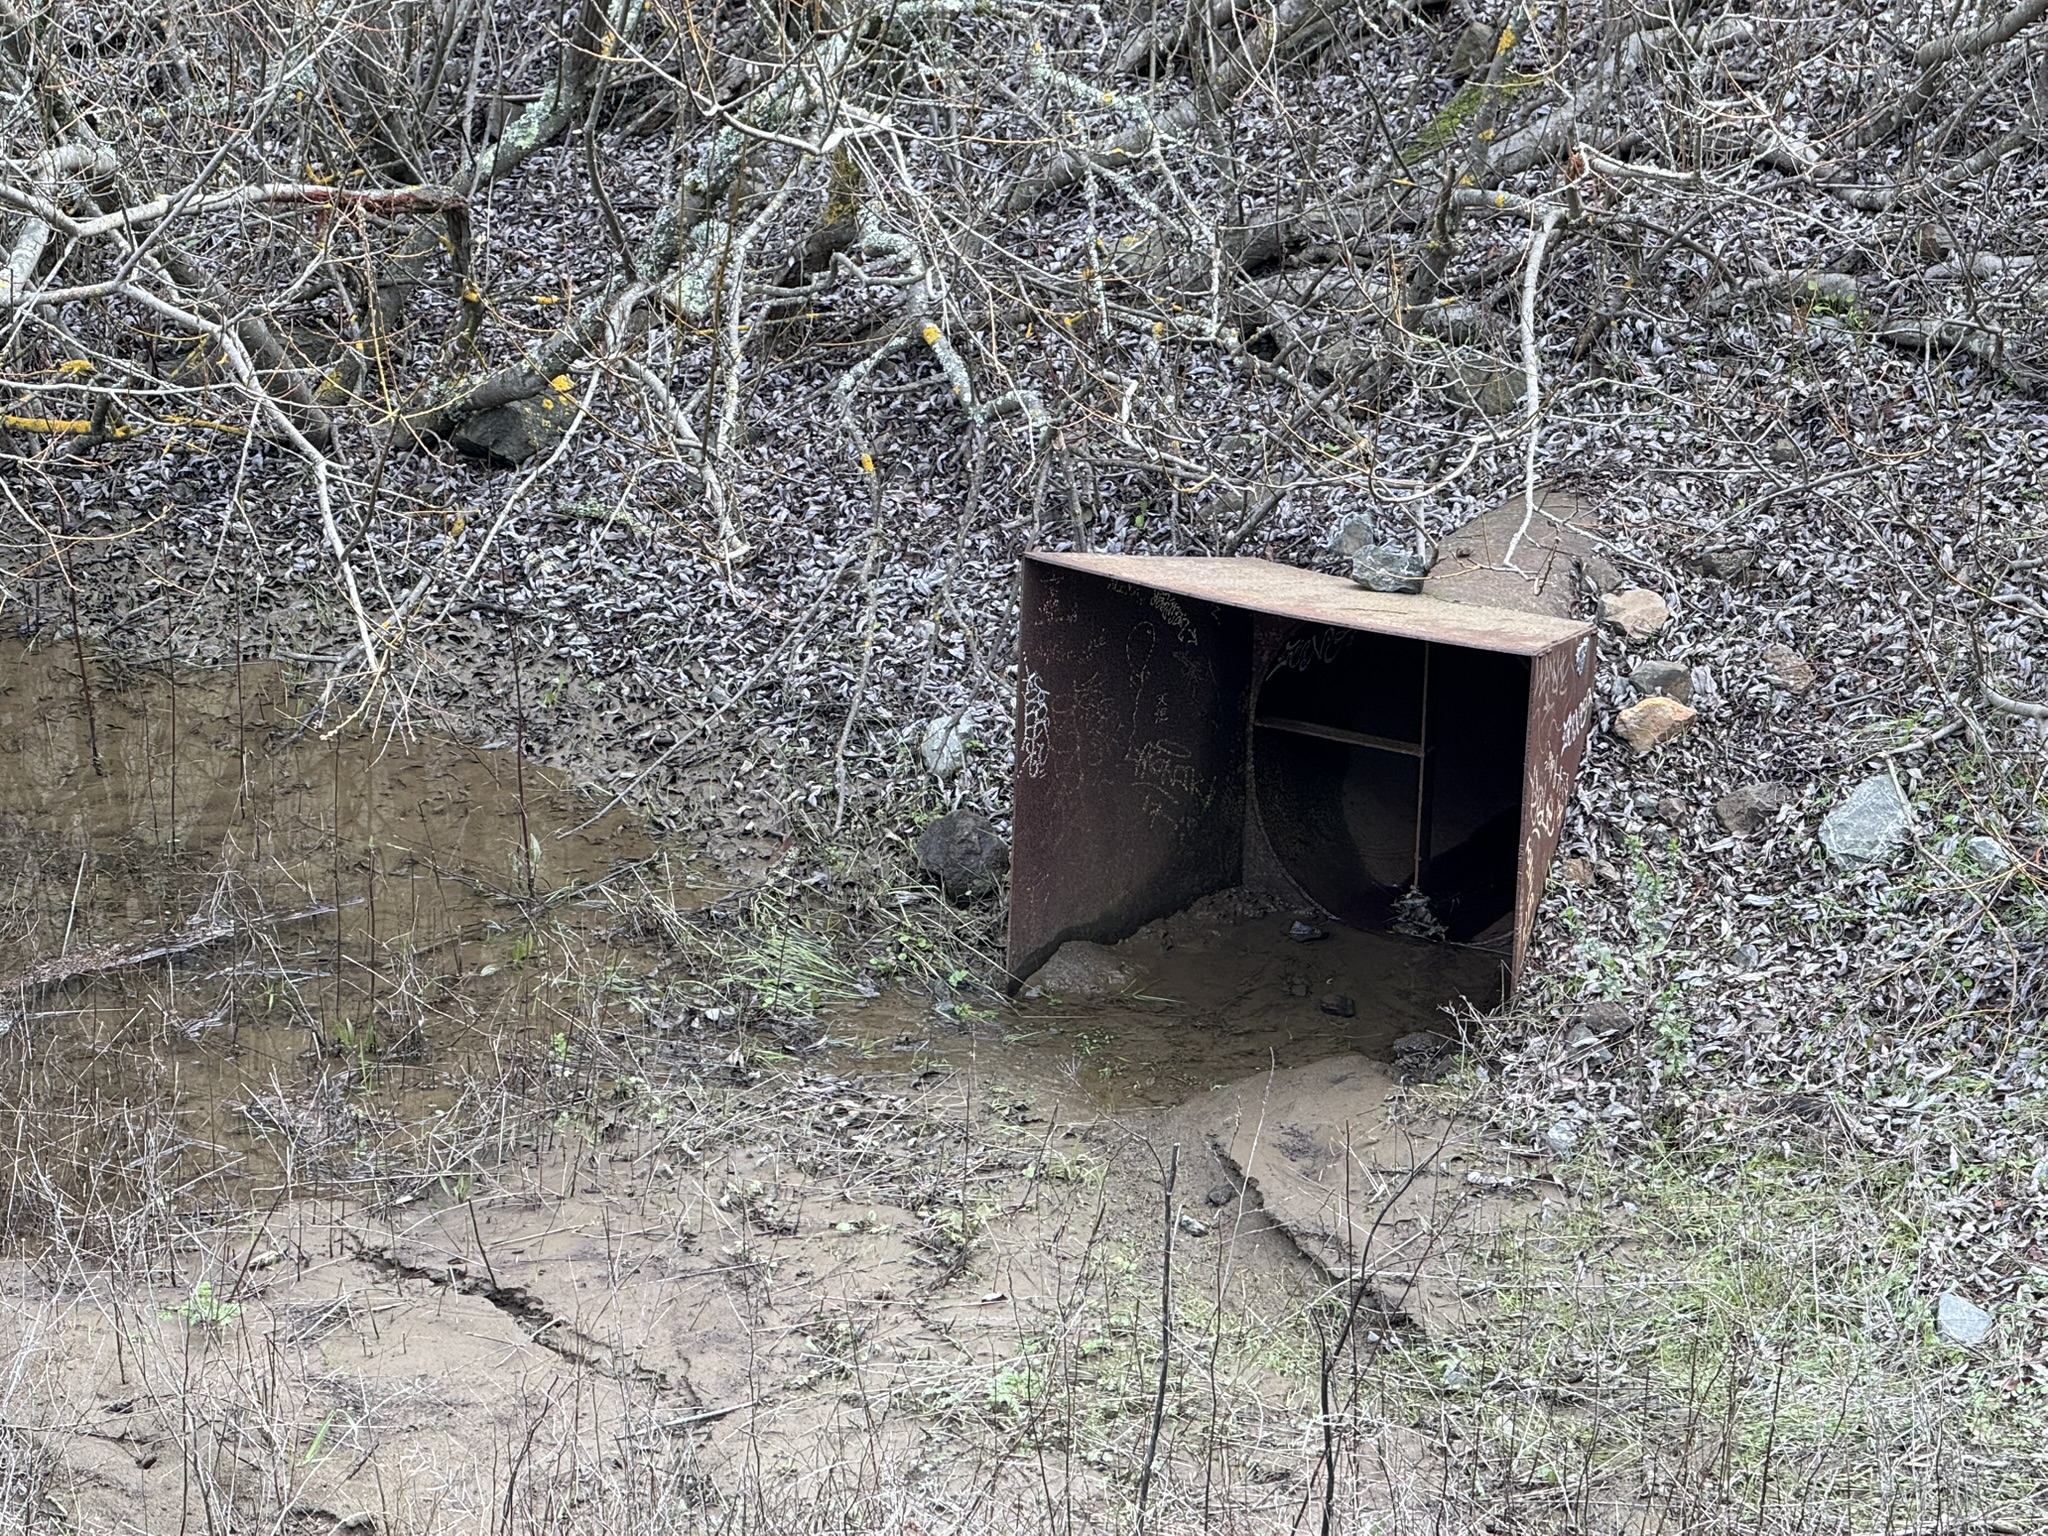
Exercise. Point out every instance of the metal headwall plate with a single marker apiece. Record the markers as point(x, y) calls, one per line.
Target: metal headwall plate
point(1187, 724)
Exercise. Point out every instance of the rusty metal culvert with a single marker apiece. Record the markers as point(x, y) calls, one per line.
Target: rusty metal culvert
point(1185, 725)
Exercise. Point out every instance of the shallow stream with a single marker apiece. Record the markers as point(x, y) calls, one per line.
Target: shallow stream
point(225, 931)
point(210, 908)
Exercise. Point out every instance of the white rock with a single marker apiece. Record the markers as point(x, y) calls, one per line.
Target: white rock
point(1870, 823)
point(944, 743)
point(1961, 1322)
point(1638, 612)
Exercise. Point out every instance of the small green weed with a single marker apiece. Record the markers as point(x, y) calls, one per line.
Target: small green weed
point(205, 1308)
point(1016, 1389)
point(317, 1451)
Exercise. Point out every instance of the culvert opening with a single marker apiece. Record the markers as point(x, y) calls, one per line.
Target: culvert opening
point(1387, 775)
point(1190, 725)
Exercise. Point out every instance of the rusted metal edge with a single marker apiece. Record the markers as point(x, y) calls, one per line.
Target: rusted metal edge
point(1290, 592)
point(1559, 721)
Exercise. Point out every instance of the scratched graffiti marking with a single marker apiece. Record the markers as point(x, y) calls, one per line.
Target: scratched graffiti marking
point(1141, 651)
point(1164, 772)
point(1176, 617)
point(1318, 646)
point(1553, 768)
point(1036, 736)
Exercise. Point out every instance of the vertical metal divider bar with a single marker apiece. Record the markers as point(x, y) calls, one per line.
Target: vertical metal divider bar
point(1422, 779)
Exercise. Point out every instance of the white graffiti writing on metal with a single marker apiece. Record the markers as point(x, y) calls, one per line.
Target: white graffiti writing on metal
point(1177, 616)
point(1164, 769)
point(1035, 737)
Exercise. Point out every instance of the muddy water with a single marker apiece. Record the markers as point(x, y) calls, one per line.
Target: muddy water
point(207, 906)
point(224, 932)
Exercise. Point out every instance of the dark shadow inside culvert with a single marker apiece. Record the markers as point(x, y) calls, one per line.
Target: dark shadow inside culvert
point(1387, 779)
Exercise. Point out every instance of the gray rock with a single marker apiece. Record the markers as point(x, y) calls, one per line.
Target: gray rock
point(1989, 853)
point(1389, 568)
point(1961, 1322)
point(1338, 1005)
point(1193, 1227)
point(1304, 933)
point(1725, 563)
point(1869, 825)
point(509, 435)
point(1486, 382)
point(1220, 1194)
point(1081, 969)
point(1473, 50)
point(1748, 810)
point(1562, 1138)
point(1355, 535)
point(943, 743)
point(966, 855)
point(1667, 678)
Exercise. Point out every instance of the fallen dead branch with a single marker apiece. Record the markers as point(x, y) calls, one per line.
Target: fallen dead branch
point(88, 961)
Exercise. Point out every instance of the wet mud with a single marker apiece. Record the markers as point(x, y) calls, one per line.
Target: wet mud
point(1232, 986)
point(210, 901)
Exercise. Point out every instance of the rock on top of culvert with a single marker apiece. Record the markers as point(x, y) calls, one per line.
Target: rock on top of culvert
point(1389, 568)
